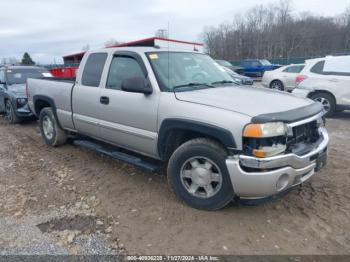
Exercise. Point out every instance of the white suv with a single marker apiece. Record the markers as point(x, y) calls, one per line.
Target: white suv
point(326, 80)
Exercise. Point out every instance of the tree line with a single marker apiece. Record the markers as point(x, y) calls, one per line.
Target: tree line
point(26, 60)
point(274, 31)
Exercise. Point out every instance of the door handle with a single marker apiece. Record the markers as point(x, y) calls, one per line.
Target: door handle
point(104, 100)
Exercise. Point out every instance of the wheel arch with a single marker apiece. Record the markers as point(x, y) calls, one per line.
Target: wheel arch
point(322, 91)
point(175, 132)
point(8, 97)
point(41, 102)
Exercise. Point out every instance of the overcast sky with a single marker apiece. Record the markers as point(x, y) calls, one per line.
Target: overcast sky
point(48, 29)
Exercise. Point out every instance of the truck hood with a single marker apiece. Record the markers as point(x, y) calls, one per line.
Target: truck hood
point(18, 90)
point(249, 101)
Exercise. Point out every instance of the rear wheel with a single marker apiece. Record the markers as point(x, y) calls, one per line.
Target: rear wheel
point(50, 130)
point(198, 175)
point(277, 84)
point(327, 102)
point(10, 113)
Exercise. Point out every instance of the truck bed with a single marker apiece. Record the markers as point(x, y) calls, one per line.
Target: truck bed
point(60, 79)
point(58, 90)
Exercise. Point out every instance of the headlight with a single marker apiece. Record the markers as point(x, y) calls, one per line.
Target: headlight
point(21, 101)
point(265, 130)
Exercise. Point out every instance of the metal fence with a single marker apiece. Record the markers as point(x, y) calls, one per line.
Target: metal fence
point(290, 60)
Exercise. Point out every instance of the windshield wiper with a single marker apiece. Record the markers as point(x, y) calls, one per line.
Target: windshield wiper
point(223, 82)
point(192, 85)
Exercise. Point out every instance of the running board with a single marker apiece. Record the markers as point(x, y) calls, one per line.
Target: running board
point(116, 153)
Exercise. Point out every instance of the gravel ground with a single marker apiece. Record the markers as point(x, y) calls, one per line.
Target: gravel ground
point(69, 200)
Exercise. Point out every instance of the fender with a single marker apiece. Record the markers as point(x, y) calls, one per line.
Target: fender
point(50, 102)
point(221, 134)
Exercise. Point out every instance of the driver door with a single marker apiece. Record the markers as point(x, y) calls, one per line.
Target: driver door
point(128, 119)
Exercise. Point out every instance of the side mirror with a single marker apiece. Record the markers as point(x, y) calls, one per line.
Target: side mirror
point(136, 85)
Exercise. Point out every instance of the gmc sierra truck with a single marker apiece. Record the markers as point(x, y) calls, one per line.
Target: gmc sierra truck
point(219, 141)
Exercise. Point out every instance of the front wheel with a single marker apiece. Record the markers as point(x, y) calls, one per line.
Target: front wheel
point(327, 102)
point(50, 130)
point(198, 175)
point(10, 113)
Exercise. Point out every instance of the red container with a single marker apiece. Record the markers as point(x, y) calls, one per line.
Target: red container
point(64, 72)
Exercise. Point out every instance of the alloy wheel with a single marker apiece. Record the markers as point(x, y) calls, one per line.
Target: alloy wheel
point(277, 85)
point(201, 177)
point(48, 127)
point(326, 104)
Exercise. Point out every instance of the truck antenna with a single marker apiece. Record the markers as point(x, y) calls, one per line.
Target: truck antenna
point(168, 55)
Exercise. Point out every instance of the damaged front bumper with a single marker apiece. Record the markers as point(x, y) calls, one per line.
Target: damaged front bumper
point(254, 178)
point(24, 112)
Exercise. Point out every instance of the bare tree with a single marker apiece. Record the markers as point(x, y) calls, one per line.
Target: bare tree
point(9, 61)
point(274, 31)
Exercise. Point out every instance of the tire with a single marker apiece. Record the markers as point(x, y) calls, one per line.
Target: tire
point(327, 101)
point(196, 183)
point(10, 113)
point(277, 84)
point(52, 134)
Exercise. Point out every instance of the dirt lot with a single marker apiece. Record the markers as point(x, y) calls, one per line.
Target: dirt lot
point(70, 200)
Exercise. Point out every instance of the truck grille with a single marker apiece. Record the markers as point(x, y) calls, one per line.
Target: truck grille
point(303, 136)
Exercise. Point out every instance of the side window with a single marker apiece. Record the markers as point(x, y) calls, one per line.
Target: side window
point(300, 68)
point(318, 68)
point(293, 69)
point(286, 69)
point(93, 69)
point(122, 67)
point(255, 64)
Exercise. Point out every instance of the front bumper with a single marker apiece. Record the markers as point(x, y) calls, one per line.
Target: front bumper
point(274, 174)
point(299, 92)
point(24, 112)
point(247, 82)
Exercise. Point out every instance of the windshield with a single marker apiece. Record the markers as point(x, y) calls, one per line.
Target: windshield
point(224, 63)
point(20, 76)
point(183, 69)
point(231, 72)
point(265, 62)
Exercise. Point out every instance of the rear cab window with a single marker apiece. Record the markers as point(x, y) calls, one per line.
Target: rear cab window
point(93, 69)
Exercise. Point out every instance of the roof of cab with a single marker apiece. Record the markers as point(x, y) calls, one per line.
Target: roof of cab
point(141, 49)
point(21, 67)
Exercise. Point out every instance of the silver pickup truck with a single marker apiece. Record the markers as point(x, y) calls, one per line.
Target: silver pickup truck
point(220, 141)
